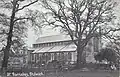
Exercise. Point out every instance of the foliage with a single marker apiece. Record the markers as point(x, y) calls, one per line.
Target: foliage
point(116, 46)
point(16, 26)
point(23, 19)
point(106, 54)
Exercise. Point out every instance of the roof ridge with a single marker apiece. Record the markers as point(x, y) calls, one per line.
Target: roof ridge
point(52, 35)
point(53, 38)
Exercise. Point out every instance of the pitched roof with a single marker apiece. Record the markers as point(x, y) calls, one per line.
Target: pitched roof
point(61, 48)
point(53, 38)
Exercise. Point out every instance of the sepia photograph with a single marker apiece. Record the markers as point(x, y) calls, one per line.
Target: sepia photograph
point(59, 38)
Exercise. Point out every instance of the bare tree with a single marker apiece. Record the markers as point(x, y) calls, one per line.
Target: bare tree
point(81, 19)
point(16, 6)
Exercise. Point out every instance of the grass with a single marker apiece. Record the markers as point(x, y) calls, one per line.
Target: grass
point(78, 73)
point(84, 74)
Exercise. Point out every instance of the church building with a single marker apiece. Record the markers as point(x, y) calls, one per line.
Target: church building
point(60, 48)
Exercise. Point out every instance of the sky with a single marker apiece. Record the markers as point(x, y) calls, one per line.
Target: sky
point(47, 31)
point(32, 37)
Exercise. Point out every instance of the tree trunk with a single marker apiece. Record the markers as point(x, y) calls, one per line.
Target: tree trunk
point(5, 62)
point(9, 41)
point(79, 63)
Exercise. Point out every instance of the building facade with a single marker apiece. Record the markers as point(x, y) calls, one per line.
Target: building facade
point(60, 48)
point(18, 59)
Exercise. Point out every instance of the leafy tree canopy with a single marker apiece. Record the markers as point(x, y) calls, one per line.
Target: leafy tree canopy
point(107, 54)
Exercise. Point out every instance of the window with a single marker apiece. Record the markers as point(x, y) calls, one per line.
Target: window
point(69, 55)
point(34, 45)
point(55, 56)
point(52, 56)
point(62, 55)
point(50, 44)
point(46, 44)
point(37, 56)
point(55, 44)
point(59, 43)
point(43, 56)
point(38, 45)
point(48, 56)
point(32, 56)
point(43, 45)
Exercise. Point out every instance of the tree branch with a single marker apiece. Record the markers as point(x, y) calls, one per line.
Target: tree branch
point(111, 30)
point(27, 5)
point(22, 19)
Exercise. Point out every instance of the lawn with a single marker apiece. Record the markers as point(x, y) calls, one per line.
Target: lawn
point(84, 74)
point(75, 73)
